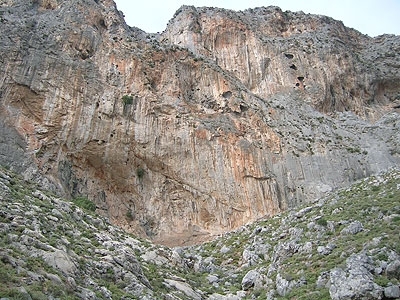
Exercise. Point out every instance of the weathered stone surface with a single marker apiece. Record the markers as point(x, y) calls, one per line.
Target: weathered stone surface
point(185, 288)
point(353, 228)
point(326, 250)
point(392, 292)
point(154, 257)
point(224, 118)
point(216, 296)
point(285, 285)
point(212, 278)
point(60, 260)
point(393, 269)
point(356, 282)
point(252, 43)
point(250, 279)
point(249, 257)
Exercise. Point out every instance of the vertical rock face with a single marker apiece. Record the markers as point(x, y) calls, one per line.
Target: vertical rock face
point(269, 50)
point(223, 118)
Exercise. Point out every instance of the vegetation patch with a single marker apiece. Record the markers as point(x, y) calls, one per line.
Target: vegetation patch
point(127, 99)
point(84, 203)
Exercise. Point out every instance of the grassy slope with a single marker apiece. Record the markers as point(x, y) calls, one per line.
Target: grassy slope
point(277, 244)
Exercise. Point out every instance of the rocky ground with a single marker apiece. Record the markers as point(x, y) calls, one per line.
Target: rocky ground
point(345, 246)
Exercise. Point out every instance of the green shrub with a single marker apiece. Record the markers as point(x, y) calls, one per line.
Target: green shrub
point(84, 203)
point(375, 188)
point(129, 216)
point(396, 219)
point(322, 222)
point(127, 99)
point(140, 172)
point(381, 280)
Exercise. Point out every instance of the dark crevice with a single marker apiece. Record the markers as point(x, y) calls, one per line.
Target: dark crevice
point(289, 56)
point(227, 94)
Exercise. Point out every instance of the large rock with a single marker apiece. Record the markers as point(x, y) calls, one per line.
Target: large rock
point(61, 261)
point(216, 296)
point(353, 228)
point(184, 288)
point(392, 292)
point(250, 279)
point(285, 284)
point(393, 269)
point(356, 281)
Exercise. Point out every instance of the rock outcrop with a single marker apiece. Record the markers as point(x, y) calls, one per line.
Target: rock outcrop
point(223, 118)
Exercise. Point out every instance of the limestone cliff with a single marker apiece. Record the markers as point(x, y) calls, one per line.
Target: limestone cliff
point(223, 118)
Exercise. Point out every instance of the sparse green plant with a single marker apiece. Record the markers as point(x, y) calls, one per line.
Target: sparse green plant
point(260, 294)
point(140, 172)
point(375, 188)
point(396, 219)
point(382, 256)
point(129, 215)
point(322, 222)
point(381, 280)
point(353, 150)
point(127, 99)
point(84, 203)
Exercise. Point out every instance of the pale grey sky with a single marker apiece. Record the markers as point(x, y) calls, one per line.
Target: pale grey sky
point(372, 17)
